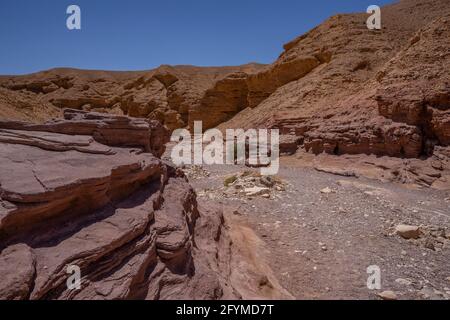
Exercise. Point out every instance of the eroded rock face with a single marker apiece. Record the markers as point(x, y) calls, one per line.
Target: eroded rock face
point(109, 130)
point(75, 193)
point(344, 89)
point(419, 93)
point(339, 89)
point(18, 264)
point(168, 94)
point(361, 92)
point(220, 103)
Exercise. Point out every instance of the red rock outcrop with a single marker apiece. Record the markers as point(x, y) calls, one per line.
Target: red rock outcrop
point(105, 129)
point(362, 92)
point(338, 89)
point(167, 94)
point(220, 103)
point(91, 192)
point(419, 93)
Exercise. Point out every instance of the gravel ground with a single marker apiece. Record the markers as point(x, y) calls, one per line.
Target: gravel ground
point(323, 231)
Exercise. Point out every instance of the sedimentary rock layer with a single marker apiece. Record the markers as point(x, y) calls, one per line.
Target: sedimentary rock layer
point(91, 194)
point(339, 89)
point(72, 195)
point(167, 94)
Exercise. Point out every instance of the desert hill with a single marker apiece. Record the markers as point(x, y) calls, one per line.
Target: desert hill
point(86, 178)
point(166, 93)
point(340, 89)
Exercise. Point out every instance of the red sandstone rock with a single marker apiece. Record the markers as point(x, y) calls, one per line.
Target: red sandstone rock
point(110, 130)
point(122, 216)
point(18, 270)
point(370, 93)
point(72, 195)
point(167, 94)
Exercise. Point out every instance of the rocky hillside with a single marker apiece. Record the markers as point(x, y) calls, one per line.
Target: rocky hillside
point(339, 89)
point(167, 93)
point(382, 93)
point(84, 181)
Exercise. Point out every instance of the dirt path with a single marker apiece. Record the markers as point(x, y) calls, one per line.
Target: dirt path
point(323, 231)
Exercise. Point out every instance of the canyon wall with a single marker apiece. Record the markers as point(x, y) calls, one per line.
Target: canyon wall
point(339, 89)
point(90, 191)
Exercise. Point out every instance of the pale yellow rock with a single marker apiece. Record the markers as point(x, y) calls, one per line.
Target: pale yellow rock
point(326, 190)
point(388, 295)
point(256, 191)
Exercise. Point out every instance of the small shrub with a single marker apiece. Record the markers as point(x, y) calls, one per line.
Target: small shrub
point(230, 180)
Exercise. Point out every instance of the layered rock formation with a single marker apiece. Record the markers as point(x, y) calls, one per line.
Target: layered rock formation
point(338, 81)
point(364, 92)
point(340, 89)
point(90, 191)
point(167, 94)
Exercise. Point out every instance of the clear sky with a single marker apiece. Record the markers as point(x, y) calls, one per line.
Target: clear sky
point(142, 34)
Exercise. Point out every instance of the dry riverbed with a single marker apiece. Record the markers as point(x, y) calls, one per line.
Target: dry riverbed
point(322, 231)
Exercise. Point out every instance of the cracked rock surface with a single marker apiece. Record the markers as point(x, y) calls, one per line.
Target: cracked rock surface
point(76, 192)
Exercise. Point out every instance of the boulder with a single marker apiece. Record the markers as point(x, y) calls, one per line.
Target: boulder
point(18, 264)
point(407, 231)
point(388, 295)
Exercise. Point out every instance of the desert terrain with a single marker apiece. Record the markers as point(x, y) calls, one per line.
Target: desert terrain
point(87, 178)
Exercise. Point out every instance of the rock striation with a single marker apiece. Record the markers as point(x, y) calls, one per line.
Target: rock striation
point(168, 94)
point(91, 191)
point(339, 90)
point(362, 92)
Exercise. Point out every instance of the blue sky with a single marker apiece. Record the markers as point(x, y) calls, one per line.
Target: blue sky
point(142, 34)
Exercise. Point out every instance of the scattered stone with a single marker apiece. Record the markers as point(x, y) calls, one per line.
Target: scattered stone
point(256, 191)
point(18, 270)
point(408, 232)
point(425, 293)
point(326, 190)
point(403, 282)
point(195, 172)
point(438, 293)
point(267, 181)
point(429, 244)
point(388, 295)
point(431, 294)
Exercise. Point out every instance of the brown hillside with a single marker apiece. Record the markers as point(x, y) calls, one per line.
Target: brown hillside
point(340, 89)
point(166, 93)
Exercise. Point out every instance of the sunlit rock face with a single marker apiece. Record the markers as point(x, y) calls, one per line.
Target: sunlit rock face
point(91, 191)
